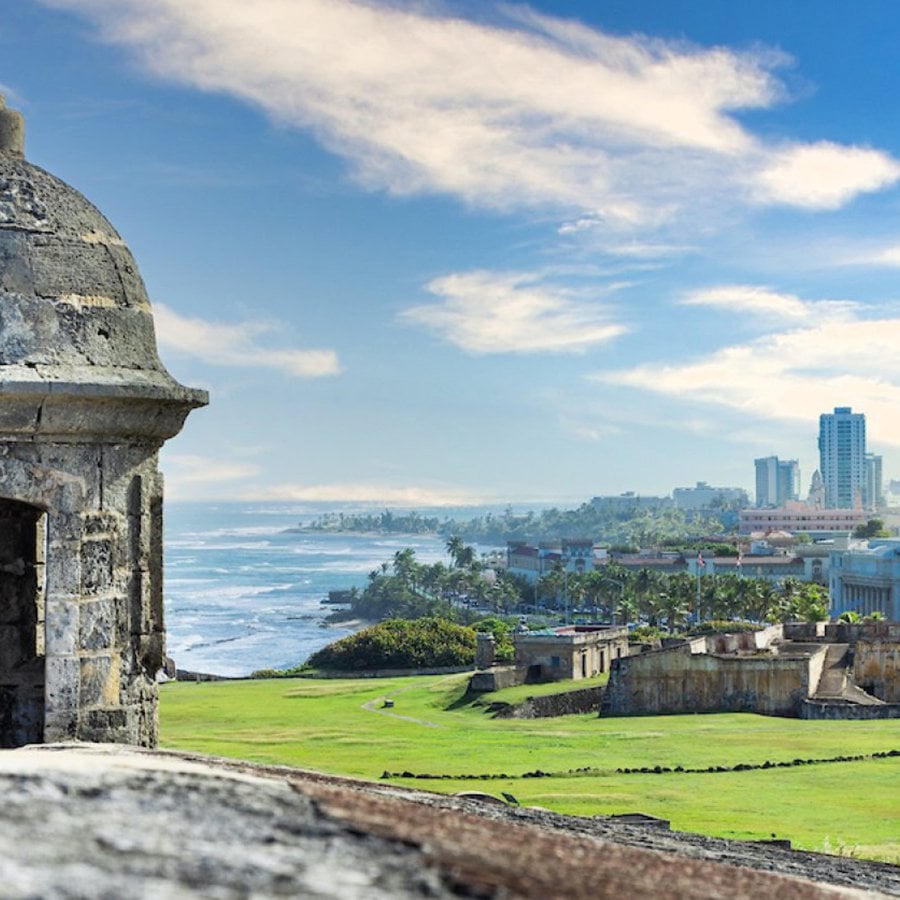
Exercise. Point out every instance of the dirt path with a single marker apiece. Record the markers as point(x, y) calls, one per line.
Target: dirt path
point(371, 707)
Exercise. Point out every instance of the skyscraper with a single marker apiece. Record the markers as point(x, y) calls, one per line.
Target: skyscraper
point(874, 488)
point(777, 480)
point(842, 458)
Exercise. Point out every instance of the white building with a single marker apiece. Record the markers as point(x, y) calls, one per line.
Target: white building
point(842, 458)
point(866, 579)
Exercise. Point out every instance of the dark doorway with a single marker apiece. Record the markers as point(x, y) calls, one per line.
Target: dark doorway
point(22, 669)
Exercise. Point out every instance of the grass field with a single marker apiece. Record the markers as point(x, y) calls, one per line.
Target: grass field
point(343, 727)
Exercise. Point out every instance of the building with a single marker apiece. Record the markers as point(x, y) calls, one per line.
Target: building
point(707, 497)
point(801, 518)
point(805, 670)
point(629, 502)
point(774, 568)
point(874, 496)
point(85, 405)
point(574, 556)
point(866, 579)
point(842, 458)
point(570, 652)
point(816, 496)
point(777, 481)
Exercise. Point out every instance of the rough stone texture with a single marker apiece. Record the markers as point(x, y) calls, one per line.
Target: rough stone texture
point(876, 668)
point(678, 681)
point(85, 405)
point(569, 703)
point(81, 822)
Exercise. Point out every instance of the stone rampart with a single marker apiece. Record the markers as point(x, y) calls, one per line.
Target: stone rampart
point(678, 681)
point(586, 700)
point(815, 709)
point(876, 668)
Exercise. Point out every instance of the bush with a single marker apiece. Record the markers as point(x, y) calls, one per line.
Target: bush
point(501, 629)
point(400, 644)
point(645, 634)
point(724, 627)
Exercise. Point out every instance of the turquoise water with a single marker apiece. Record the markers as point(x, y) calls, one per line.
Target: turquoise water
point(244, 593)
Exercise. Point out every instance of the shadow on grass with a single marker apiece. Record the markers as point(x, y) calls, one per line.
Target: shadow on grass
point(466, 699)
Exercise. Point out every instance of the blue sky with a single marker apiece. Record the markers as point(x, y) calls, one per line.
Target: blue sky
point(429, 252)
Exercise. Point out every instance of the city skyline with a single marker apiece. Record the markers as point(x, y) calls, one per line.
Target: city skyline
point(470, 252)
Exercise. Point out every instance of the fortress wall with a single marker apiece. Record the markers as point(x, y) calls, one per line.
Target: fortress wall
point(676, 681)
point(876, 668)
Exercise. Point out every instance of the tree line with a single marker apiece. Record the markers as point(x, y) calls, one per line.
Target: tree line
point(630, 527)
point(406, 588)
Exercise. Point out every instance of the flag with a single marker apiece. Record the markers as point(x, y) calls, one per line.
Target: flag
point(700, 563)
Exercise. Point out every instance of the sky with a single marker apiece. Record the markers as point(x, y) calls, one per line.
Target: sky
point(457, 252)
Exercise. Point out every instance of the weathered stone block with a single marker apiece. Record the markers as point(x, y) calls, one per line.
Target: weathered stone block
point(100, 681)
point(62, 625)
point(96, 566)
point(63, 686)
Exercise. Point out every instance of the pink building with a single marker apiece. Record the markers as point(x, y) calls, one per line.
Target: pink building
point(797, 517)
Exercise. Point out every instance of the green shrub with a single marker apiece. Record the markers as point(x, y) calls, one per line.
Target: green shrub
point(400, 644)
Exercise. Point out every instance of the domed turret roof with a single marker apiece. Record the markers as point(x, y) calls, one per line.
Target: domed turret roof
point(74, 313)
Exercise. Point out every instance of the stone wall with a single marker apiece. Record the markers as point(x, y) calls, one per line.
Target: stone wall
point(101, 596)
point(876, 668)
point(496, 678)
point(586, 700)
point(677, 681)
point(812, 709)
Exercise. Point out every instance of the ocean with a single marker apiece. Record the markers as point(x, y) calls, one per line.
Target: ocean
point(242, 592)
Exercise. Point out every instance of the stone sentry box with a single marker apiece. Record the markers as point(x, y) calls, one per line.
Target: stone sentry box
point(85, 405)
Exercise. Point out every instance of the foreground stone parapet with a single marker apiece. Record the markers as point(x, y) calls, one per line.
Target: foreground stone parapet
point(92, 820)
point(85, 405)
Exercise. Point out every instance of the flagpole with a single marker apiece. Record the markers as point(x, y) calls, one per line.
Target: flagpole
point(700, 565)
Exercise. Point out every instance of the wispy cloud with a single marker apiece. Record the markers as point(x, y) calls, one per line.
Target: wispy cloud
point(190, 468)
point(514, 312)
point(239, 344)
point(791, 376)
point(527, 110)
point(408, 496)
point(888, 256)
point(771, 305)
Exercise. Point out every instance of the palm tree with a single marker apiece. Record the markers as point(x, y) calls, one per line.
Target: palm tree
point(406, 568)
point(462, 555)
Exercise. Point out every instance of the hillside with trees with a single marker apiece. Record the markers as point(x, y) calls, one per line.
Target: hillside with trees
point(631, 527)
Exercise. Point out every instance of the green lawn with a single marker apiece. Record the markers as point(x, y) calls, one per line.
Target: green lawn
point(523, 691)
point(342, 727)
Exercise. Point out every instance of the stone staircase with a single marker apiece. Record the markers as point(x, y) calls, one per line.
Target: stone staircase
point(835, 684)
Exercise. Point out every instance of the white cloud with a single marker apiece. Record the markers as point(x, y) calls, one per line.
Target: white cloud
point(767, 304)
point(409, 496)
point(530, 110)
point(187, 468)
point(883, 256)
point(490, 312)
point(792, 376)
point(825, 175)
point(239, 344)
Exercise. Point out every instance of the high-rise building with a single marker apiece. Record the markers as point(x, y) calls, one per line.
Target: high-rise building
point(842, 458)
point(874, 497)
point(777, 480)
